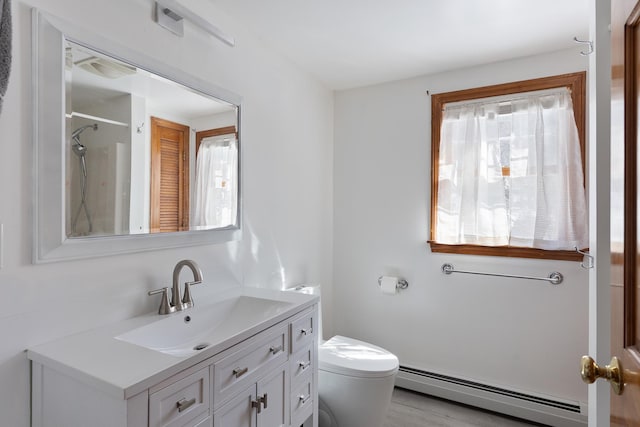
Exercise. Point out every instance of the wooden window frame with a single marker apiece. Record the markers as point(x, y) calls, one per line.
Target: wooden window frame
point(227, 130)
point(575, 82)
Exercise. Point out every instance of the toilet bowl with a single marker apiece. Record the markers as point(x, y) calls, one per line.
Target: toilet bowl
point(355, 379)
point(355, 382)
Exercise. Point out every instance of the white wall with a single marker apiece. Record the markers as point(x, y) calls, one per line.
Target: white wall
point(518, 334)
point(287, 184)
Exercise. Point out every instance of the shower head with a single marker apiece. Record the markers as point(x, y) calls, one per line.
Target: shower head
point(78, 148)
point(76, 133)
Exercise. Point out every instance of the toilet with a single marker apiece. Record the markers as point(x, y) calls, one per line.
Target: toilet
point(355, 379)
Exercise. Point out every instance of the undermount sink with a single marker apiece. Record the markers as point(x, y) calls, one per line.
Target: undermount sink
point(187, 332)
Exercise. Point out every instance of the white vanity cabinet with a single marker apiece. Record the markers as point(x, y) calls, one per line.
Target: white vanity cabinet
point(266, 379)
point(251, 385)
point(303, 367)
point(274, 397)
point(263, 404)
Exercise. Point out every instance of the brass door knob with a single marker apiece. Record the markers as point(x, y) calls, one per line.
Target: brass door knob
point(590, 371)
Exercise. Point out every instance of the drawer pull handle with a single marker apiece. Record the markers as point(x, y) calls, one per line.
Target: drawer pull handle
point(275, 350)
point(306, 331)
point(304, 399)
point(183, 404)
point(305, 365)
point(256, 404)
point(263, 399)
point(238, 372)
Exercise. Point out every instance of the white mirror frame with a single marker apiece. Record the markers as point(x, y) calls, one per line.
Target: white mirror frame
point(50, 242)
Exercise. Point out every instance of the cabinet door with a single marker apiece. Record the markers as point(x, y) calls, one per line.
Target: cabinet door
point(273, 392)
point(238, 412)
point(204, 423)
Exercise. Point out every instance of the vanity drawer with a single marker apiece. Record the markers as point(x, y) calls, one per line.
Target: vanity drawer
point(301, 364)
point(236, 371)
point(302, 401)
point(182, 403)
point(302, 331)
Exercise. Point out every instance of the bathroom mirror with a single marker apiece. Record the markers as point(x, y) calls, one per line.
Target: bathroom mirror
point(130, 154)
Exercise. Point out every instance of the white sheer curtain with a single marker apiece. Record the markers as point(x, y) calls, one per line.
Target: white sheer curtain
point(216, 189)
point(510, 173)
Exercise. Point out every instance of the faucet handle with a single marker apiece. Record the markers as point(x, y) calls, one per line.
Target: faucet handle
point(165, 307)
point(187, 301)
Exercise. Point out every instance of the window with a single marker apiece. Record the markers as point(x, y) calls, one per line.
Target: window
point(507, 169)
point(216, 183)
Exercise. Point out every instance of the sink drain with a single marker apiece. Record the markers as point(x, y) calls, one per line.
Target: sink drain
point(200, 347)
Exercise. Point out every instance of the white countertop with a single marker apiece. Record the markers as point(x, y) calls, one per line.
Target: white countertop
point(122, 369)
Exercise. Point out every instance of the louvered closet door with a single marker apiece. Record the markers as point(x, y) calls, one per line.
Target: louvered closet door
point(169, 176)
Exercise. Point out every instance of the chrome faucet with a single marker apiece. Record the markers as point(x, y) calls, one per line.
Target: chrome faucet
point(176, 303)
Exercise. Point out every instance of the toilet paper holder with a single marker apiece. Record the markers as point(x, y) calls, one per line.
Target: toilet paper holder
point(402, 284)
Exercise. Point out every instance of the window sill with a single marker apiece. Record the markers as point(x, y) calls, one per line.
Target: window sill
point(505, 251)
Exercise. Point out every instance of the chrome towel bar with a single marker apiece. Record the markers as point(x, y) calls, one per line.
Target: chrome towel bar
point(554, 278)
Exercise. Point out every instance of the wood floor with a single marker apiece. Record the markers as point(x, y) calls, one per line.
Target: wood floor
point(410, 409)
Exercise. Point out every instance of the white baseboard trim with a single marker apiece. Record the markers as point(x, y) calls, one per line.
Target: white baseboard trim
point(552, 412)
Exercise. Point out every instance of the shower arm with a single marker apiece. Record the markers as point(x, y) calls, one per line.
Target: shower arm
point(75, 135)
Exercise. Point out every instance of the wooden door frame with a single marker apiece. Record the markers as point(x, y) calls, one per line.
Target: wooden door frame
point(623, 409)
point(156, 165)
point(631, 170)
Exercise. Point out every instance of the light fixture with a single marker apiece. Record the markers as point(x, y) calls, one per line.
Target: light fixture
point(170, 14)
point(105, 68)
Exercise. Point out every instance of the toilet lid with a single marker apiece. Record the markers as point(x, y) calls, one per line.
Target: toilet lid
point(356, 358)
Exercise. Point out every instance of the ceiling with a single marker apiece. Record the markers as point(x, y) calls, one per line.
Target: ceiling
point(352, 43)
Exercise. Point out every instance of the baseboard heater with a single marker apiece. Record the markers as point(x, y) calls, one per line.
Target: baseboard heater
point(514, 403)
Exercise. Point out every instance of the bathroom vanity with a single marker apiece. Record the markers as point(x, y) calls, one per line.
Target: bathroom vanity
point(246, 359)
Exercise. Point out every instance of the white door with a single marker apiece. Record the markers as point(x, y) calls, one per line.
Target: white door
point(599, 131)
point(614, 295)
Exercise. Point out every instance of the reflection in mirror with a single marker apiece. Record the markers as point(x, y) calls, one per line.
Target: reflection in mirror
point(116, 163)
point(144, 154)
